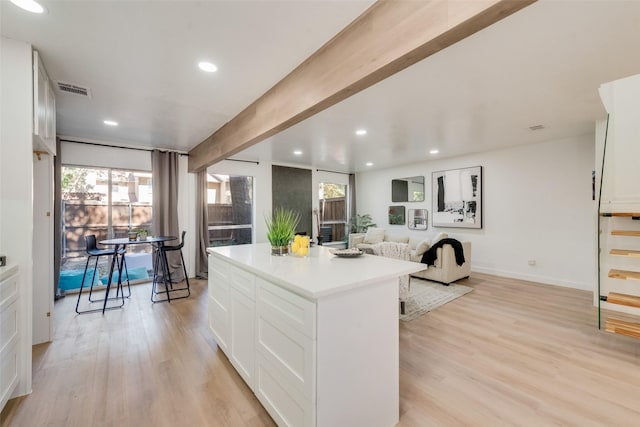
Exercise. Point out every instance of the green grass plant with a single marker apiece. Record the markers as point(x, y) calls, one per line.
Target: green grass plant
point(281, 226)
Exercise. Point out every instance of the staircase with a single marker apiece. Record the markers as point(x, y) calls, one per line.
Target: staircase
point(618, 151)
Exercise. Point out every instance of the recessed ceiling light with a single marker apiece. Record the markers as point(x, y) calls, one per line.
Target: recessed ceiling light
point(29, 5)
point(208, 67)
point(434, 151)
point(361, 132)
point(298, 153)
point(369, 164)
point(110, 123)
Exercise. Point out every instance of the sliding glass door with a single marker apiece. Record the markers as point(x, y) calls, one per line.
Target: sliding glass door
point(332, 211)
point(107, 203)
point(230, 209)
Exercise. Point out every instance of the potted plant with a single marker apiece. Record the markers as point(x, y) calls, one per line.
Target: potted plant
point(142, 234)
point(281, 227)
point(360, 223)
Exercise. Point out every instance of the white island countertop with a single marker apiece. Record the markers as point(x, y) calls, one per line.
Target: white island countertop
point(317, 275)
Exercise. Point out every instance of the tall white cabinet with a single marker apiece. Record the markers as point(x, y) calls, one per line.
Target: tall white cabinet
point(16, 197)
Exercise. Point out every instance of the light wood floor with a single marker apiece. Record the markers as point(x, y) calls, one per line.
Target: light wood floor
point(510, 353)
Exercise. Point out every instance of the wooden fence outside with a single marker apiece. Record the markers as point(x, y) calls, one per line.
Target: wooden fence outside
point(80, 218)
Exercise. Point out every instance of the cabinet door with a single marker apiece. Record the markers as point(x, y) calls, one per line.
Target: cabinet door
point(242, 335)
point(283, 401)
point(44, 108)
point(219, 288)
point(40, 97)
point(285, 332)
point(50, 114)
point(8, 338)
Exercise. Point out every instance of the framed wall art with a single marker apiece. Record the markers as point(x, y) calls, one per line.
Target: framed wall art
point(396, 215)
point(457, 198)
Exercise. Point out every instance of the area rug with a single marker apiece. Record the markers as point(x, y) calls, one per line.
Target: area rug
point(425, 296)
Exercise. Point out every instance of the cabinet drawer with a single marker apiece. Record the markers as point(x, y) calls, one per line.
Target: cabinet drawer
point(242, 352)
point(243, 281)
point(280, 398)
point(218, 276)
point(285, 308)
point(8, 373)
point(289, 352)
point(8, 291)
point(8, 326)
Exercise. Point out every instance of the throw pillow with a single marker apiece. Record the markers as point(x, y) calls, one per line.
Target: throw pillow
point(397, 239)
point(439, 237)
point(374, 235)
point(422, 247)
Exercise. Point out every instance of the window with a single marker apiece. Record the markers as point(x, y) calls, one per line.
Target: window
point(230, 203)
point(332, 212)
point(107, 203)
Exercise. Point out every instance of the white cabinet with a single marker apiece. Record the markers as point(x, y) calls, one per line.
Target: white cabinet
point(44, 108)
point(242, 354)
point(316, 352)
point(231, 315)
point(286, 365)
point(8, 334)
point(219, 302)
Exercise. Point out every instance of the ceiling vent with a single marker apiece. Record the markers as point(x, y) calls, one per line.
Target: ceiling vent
point(536, 127)
point(74, 89)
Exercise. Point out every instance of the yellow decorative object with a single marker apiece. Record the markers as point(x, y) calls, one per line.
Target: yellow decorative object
point(300, 245)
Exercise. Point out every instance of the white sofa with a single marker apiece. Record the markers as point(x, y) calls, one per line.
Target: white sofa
point(445, 270)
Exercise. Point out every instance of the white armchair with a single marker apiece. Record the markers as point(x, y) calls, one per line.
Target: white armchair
point(398, 251)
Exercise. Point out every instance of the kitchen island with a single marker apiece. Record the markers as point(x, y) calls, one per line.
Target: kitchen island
point(315, 338)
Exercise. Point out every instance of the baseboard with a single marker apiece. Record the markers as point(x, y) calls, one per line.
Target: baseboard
point(533, 278)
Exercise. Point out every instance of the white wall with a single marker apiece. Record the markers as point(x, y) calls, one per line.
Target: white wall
point(621, 172)
point(536, 206)
point(79, 154)
point(16, 205)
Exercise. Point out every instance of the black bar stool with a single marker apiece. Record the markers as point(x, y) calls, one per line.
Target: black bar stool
point(161, 258)
point(118, 258)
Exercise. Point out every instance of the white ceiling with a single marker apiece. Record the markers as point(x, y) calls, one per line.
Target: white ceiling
point(139, 58)
point(542, 65)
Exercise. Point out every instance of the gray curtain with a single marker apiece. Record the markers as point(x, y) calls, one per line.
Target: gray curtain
point(352, 198)
point(164, 169)
point(202, 224)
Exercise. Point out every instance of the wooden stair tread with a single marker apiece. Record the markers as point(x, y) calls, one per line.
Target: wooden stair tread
point(627, 214)
point(623, 327)
point(625, 252)
point(633, 233)
point(624, 274)
point(623, 299)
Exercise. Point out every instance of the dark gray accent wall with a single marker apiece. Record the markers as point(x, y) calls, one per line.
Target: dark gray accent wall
point(291, 189)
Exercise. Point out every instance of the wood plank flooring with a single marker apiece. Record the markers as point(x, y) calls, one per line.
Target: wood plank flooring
point(510, 353)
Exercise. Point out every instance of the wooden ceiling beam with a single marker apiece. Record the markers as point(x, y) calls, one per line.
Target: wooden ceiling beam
point(388, 37)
